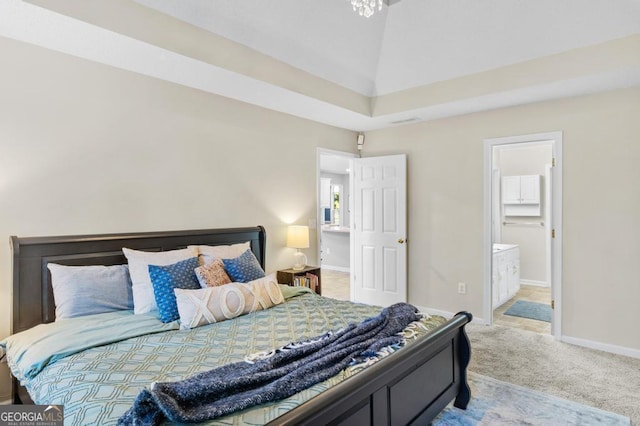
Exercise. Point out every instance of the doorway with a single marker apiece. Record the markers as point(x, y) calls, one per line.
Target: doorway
point(362, 226)
point(334, 221)
point(523, 232)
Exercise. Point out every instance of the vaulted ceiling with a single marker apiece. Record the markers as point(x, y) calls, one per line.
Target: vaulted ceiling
point(412, 43)
point(414, 60)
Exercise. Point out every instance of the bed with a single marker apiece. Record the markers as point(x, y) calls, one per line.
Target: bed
point(411, 386)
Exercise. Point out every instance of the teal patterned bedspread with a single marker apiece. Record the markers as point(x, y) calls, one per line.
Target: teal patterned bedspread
point(97, 385)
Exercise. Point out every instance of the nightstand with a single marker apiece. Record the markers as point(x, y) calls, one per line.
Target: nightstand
point(309, 276)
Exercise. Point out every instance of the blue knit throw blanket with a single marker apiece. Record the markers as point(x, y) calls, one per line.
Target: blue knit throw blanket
point(289, 370)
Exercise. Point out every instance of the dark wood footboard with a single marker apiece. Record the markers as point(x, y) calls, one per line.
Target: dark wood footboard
point(410, 387)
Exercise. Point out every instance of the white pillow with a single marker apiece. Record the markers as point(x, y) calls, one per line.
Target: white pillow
point(89, 290)
point(209, 253)
point(143, 299)
point(214, 304)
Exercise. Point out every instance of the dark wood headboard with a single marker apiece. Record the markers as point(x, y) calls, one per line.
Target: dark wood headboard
point(33, 302)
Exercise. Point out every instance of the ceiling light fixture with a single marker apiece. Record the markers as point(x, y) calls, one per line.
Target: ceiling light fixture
point(366, 8)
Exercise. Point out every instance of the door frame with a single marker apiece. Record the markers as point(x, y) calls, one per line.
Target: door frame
point(556, 219)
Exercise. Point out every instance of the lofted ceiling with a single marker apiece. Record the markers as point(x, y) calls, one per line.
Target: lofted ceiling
point(413, 42)
point(414, 60)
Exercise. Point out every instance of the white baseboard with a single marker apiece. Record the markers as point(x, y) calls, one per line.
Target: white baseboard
point(447, 314)
point(6, 402)
point(335, 268)
point(480, 321)
point(615, 349)
point(534, 283)
point(620, 350)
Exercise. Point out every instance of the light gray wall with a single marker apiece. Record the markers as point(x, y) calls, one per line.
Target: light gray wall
point(335, 250)
point(601, 207)
point(527, 160)
point(86, 149)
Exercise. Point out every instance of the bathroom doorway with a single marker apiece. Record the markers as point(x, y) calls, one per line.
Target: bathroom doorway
point(334, 221)
point(523, 232)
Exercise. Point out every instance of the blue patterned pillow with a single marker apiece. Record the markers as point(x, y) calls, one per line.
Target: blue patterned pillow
point(165, 278)
point(244, 268)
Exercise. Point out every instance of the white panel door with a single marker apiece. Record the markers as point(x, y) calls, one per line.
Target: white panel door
point(379, 230)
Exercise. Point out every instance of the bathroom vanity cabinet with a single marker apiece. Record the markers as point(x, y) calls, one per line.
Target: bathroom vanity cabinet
point(506, 273)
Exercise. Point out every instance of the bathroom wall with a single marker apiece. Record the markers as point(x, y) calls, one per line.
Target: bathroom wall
point(335, 243)
point(340, 179)
point(335, 251)
point(518, 160)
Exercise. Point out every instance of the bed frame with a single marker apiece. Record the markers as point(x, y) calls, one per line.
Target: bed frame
point(410, 387)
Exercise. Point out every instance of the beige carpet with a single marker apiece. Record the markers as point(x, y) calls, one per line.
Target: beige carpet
point(599, 379)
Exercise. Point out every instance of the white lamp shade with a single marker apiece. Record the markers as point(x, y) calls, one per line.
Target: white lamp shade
point(298, 236)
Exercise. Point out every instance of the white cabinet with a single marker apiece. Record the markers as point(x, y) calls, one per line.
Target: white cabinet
point(325, 192)
point(511, 190)
point(530, 189)
point(521, 195)
point(505, 278)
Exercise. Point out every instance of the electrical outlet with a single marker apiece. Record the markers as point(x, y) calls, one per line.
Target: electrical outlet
point(462, 288)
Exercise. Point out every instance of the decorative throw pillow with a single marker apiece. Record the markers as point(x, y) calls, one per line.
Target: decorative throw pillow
point(167, 278)
point(212, 274)
point(215, 304)
point(139, 261)
point(88, 290)
point(209, 253)
point(244, 268)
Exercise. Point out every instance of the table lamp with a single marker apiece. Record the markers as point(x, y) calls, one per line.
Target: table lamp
point(298, 238)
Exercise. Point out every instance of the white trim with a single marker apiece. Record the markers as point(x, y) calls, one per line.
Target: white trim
point(555, 138)
point(534, 283)
point(480, 321)
point(496, 179)
point(548, 224)
point(6, 402)
point(619, 350)
point(447, 314)
point(615, 349)
point(487, 255)
point(556, 272)
point(336, 268)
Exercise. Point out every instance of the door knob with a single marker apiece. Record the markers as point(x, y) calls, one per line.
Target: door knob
point(400, 240)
